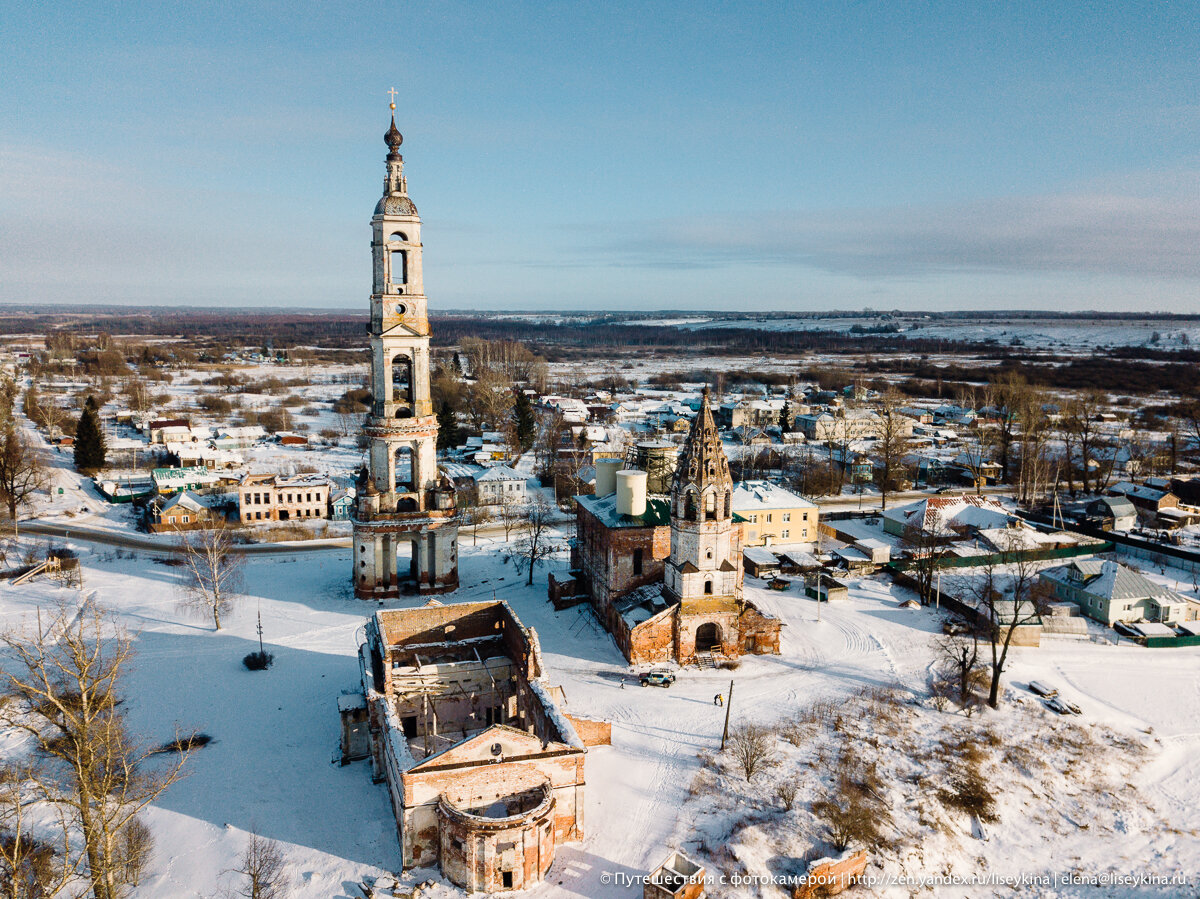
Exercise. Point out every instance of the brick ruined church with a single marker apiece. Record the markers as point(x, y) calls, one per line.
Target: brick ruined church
point(664, 572)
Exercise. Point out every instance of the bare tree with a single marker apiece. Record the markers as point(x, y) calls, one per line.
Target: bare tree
point(213, 571)
point(1081, 419)
point(1009, 596)
point(534, 543)
point(22, 471)
point(974, 460)
point(511, 511)
point(31, 867)
point(1003, 396)
point(63, 694)
point(264, 865)
point(753, 748)
point(489, 399)
point(45, 413)
point(892, 443)
point(959, 658)
point(927, 545)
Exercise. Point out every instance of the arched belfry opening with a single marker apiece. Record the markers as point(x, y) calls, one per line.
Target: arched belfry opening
point(402, 384)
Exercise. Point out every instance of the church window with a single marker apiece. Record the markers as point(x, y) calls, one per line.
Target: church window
point(710, 506)
point(708, 587)
point(398, 237)
point(689, 506)
point(728, 506)
point(637, 561)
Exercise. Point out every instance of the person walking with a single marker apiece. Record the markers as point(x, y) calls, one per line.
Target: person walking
point(718, 700)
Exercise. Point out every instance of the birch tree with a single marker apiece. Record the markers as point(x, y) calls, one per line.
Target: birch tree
point(212, 571)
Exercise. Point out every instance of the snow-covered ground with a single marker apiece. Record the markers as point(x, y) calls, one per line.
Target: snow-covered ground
point(272, 766)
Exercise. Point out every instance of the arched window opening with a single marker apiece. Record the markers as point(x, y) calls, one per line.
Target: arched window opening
point(398, 237)
point(402, 378)
point(689, 506)
point(708, 588)
point(728, 506)
point(404, 470)
point(399, 267)
point(710, 506)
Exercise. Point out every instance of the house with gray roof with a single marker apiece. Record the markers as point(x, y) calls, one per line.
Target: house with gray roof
point(501, 486)
point(1109, 592)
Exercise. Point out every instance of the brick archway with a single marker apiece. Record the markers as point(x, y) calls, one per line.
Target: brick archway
point(708, 637)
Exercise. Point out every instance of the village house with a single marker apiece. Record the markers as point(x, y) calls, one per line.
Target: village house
point(773, 514)
point(173, 480)
point(694, 611)
point(272, 497)
point(1112, 513)
point(1109, 592)
point(1151, 502)
point(949, 517)
point(844, 427)
point(341, 504)
point(169, 430)
point(500, 486)
point(182, 512)
point(484, 768)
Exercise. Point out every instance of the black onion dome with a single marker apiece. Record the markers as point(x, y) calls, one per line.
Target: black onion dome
point(393, 138)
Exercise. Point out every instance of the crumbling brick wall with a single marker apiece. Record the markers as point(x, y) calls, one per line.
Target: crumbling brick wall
point(759, 632)
point(592, 731)
point(830, 876)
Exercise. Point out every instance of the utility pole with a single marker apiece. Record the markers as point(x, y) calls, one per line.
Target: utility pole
point(938, 601)
point(728, 705)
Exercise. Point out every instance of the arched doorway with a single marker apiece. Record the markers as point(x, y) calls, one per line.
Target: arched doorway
point(708, 637)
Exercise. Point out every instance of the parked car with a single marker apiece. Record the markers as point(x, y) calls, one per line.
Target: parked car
point(657, 678)
point(1062, 706)
point(1042, 689)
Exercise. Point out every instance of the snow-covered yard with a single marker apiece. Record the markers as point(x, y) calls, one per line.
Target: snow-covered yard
point(272, 766)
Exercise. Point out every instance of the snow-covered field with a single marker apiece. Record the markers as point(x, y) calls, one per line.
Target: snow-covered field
point(272, 766)
point(1079, 334)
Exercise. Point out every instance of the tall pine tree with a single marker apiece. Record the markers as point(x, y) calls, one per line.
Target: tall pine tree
point(449, 433)
point(785, 418)
point(525, 420)
point(89, 439)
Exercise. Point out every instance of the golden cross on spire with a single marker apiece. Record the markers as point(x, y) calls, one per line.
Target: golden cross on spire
point(392, 94)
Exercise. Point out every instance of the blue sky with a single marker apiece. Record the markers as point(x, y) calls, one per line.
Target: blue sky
point(741, 156)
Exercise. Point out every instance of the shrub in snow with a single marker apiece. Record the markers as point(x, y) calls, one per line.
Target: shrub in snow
point(786, 794)
point(258, 661)
point(753, 748)
point(185, 744)
point(852, 811)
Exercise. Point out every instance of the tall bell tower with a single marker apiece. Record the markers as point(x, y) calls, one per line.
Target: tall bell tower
point(402, 497)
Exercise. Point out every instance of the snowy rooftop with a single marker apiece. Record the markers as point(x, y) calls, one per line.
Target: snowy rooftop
point(658, 512)
point(499, 473)
point(1109, 579)
point(750, 496)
